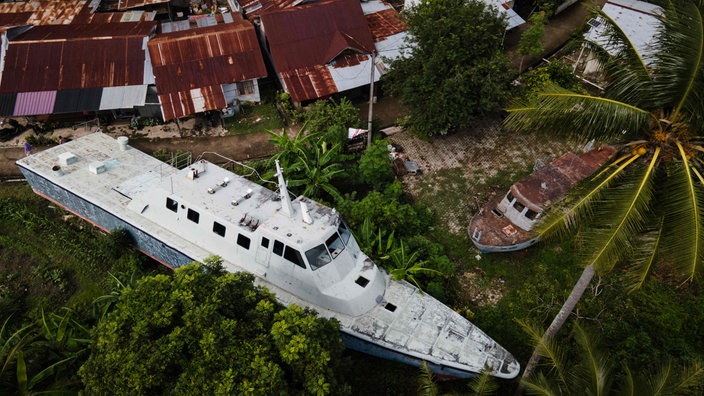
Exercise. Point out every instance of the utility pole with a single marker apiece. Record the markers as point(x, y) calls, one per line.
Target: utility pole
point(371, 101)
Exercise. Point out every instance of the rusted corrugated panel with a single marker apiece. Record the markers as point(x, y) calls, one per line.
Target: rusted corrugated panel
point(183, 103)
point(385, 23)
point(76, 56)
point(15, 19)
point(306, 35)
point(34, 103)
point(113, 17)
point(45, 12)
point(254, 8)
point(127, 4)
point(207, 56)
point(308, 83)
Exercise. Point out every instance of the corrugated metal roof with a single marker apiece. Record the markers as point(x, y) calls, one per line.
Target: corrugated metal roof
point(34, 103)
point(76, 56)
point(385, 23)
point(46, 12)
point(7, 104)
point(309, 35)
point(111, 17)
point(201, 58)
point(127, 4)
point(15, 19)
point(308, 83)
point(179, 104)
point(78, 100)
point(254, 8)
point(123, 97)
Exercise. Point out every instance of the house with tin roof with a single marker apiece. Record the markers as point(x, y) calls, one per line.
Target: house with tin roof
point(206, 66)
point(319, 49)
point(76, 68)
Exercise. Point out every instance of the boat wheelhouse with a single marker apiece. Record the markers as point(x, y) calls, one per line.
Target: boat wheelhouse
point(299, 249)
point(505, 223)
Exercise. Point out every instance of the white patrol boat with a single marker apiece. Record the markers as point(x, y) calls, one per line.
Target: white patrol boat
point(299, 249)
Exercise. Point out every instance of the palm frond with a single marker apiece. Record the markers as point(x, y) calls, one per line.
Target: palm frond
point(559, 220)
point(560, 111)
point(596, 367)
point(645, 255)
point(426, 383)
point(483, 384)
point(683, 206)
point(679, 76)
point(548, 349)
point(687, 378)
point(627, 384)
point(618, 216)
point(541, 385)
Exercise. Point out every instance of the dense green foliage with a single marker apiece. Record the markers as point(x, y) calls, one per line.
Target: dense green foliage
point(204, 331)
point(455, 71)
point(374, 165)
point(339, 115)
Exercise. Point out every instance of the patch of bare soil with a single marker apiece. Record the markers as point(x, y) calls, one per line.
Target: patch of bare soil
point(480, 290)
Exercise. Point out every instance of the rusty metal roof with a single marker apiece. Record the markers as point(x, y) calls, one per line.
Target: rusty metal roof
point(315, 34)
point(385, 23)
point(45, 12)
point(202, 59)
point(127, 4)
point(254, 8)
point(74, 56)
point(183, 103)
point(112, 17)
point(307, 41)
point(15, 19)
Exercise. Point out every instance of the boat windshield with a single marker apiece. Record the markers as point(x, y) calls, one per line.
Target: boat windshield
point(323, 254)
point(318, 257)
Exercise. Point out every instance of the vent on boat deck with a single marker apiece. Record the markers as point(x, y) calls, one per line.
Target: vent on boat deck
point(390, 307)
point(362, 281)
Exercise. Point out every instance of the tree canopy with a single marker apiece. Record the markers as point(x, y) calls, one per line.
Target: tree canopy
point(454, 70)
point(205, 331)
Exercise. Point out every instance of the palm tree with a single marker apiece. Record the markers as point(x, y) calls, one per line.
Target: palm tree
point(646, 208)
point(289, 148)
point(592, 373)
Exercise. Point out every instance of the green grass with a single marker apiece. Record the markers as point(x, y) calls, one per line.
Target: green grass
point(254, 118)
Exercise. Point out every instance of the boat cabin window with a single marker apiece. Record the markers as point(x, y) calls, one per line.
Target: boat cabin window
point(171, 205)
point(318, 257)
point(243, 241)
point(344, 232)
point(519, 206)
point(219, 229)
point(265, 242)
point(193, 216)
point(510, 197)
point(531, 214)
point(335, 245)
point(294, 256)
point(278, 248)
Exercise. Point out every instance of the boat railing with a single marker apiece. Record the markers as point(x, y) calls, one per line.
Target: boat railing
point(232, 165)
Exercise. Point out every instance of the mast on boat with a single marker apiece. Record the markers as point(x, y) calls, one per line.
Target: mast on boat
point(286, 206)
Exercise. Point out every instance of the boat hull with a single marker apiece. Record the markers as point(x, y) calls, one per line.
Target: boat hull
point(105, 220)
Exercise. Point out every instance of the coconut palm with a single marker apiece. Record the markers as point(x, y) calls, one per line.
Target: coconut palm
point(645, 209)
point(591, 372)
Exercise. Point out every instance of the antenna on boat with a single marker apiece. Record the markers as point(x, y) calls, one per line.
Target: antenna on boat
point(286, 206)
